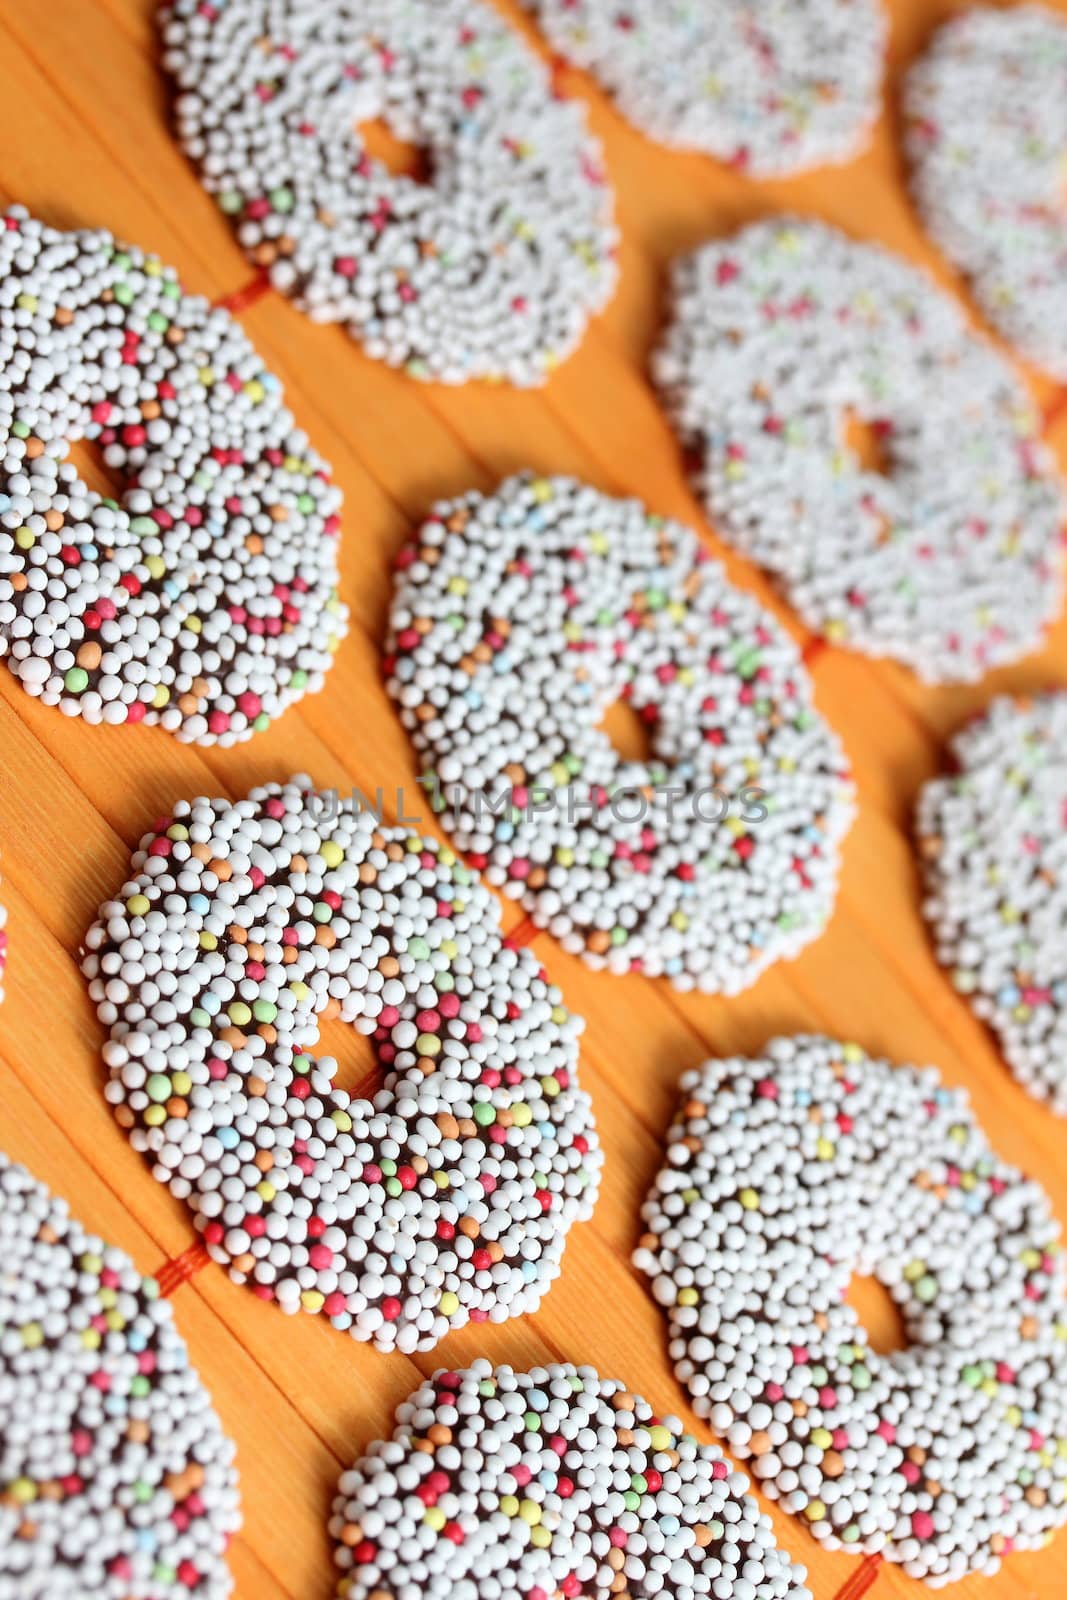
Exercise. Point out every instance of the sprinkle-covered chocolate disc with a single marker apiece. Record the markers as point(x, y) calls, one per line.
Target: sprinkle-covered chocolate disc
point(771, 86)
point(518, 620)
point(206, 598)
point(445, 1198)
point(943, 555)
point(489, 269)
point(985, 117)
point(502, 1485)
point(115, 1476)
point(786, 1175)
point(993, 838)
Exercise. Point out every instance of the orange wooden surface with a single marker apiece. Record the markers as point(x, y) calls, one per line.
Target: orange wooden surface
point(84, 139)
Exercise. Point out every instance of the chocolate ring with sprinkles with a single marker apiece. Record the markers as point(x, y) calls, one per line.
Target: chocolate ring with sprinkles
point(770, 86)
point(444, 1198)
point(985, 117)
point(115, 1475)
point(503, 1485)
point(943, 552)
point(492, 267)
point(993, 840)
point(206, 599)
point(517, 621)
point(784, 1176)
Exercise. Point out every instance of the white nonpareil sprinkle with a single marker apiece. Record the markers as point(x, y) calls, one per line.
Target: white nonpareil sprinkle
point(503, 1485)
point(490, 269)
point(948, 560)
point(785, 1176)
point(444, 1199)
point(115, 1476)
point(993, 838)
point(985, 122)
point(771, 86)
point(206, 600)
point(517, 621)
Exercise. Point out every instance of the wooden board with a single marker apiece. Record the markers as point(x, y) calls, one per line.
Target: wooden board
point(84, 139)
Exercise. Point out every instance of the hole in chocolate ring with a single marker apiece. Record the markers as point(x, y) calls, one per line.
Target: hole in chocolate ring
point(878, 1313)
point(868, 441)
